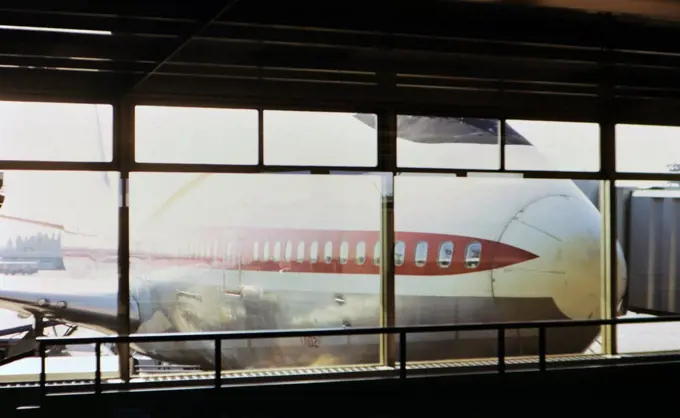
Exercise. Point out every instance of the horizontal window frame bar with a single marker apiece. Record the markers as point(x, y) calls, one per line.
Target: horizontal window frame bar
point(145, 167)
point(33, 165)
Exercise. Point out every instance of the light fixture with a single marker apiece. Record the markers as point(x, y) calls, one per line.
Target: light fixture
point(60, 30)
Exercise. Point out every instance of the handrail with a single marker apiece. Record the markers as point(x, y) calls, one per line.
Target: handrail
point(328, 332)
point(218, 337)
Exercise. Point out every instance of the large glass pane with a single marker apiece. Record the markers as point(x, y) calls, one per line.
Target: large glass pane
point(648, 214)
point(552, 146)
point(454, 143)
point(196, 135)
point(55, 131)
point(320, 139)
point(499, 249)
point(647, 149)
point(58, 269)
point(175, 216)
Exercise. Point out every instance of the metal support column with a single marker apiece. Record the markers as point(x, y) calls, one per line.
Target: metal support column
point(123, 136)
point(387, 139)
point(608, 200)
point(608, 205)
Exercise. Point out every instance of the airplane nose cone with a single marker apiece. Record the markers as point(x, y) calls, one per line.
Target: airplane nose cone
point(564, 231)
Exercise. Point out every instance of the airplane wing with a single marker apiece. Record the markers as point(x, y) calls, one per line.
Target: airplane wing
point(93, 306)
point(61, 299)
point(438, 130)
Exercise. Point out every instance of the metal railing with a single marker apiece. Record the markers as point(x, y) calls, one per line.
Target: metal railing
point(402, 332)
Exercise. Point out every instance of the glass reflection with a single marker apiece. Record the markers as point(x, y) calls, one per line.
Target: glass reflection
point(498, 250)
point(448, 142)
point(320, 138)
point(56, 131)
point(198, 135)
point(177, 288)
point(58, 268)
point(648, 224)
point(552, 146)
point(647, 149)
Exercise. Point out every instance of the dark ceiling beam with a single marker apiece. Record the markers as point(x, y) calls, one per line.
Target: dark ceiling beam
point(186, 40)
point(95, 86)
point(239, 39)
point(335, 65)
point(501, 61)
point(57, 63)
point(68, 45)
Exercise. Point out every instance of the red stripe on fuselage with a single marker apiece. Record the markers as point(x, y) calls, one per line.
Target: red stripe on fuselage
point(211, 249)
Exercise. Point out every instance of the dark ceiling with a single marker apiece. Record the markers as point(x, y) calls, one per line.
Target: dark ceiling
point(348, 54)
point(652, 9)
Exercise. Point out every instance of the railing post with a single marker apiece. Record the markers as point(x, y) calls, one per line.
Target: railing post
point(98, 368)
point(501, 350)
point(402, 355)
point(541, 348)
point(43, 372)
point(218, 363)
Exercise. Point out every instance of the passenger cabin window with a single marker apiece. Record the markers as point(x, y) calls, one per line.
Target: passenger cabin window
point(421, 254)
point(277, 252)
point(361, 252)
point(265, 252)
point(314, 252)
point(445, 254)
point(328, 252)
point(256, 251)
point(399, 253)
point(376, 254)
point(344, 252)
point(301, 252)
point(473, 255)
point(288, 253)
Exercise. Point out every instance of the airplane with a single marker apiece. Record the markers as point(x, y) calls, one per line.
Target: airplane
point(283, 251)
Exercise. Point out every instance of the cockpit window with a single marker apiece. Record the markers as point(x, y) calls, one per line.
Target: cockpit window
point(361, 252)
point(376, 254)
point(399, 253)
point(473, 255)
point(328, 252)
point(445, 254)
point(421, 254)
point(314, 252)
point(344, 252)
